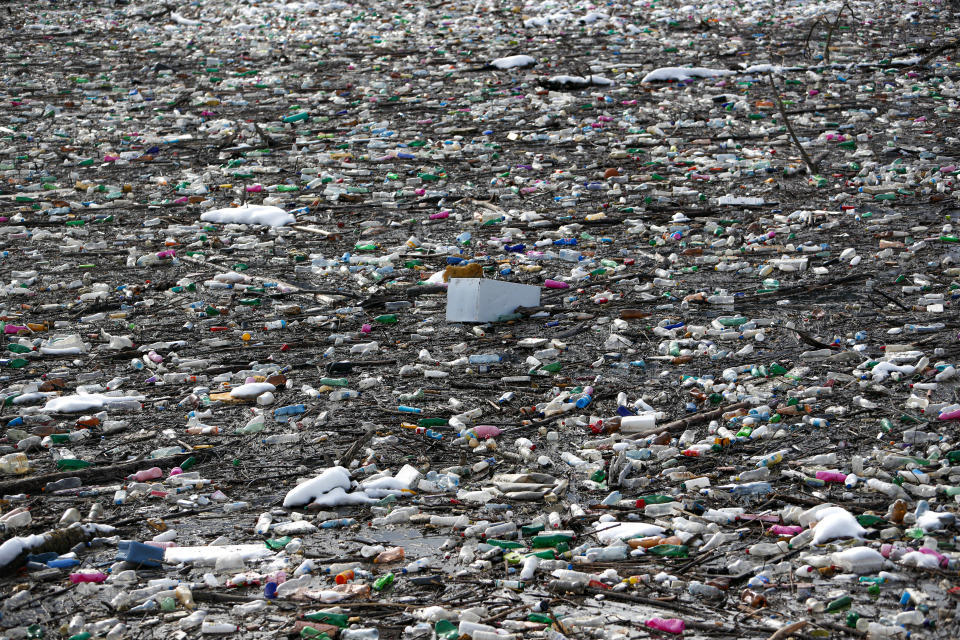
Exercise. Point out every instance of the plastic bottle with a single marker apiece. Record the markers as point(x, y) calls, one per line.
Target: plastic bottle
point(62, 485)
point(417, 565)
point(193, 620)
point(263, 523)
point(15, 463)
point(214, 627)
point(393, 554)
point(704, 590)
point(146, 474)
point(530, 564)
point(383, 582)
point(281, 438)
point(669, 625)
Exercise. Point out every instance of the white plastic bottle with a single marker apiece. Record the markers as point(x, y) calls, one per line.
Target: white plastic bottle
point(212, 626)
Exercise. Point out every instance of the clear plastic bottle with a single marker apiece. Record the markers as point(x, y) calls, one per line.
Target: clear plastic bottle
point(19, 517)
point(416, 566)
point(263, 523)
point(214, 627)
point(767, 549)
point(14, 463)
point(282, 438)
point(704, 590)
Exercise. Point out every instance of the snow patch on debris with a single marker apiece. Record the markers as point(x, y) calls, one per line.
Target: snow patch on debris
point(86, 402)
point(581, 81)
point(512, 62)
point(262, 215)
point(608, 532)
point(251, 390)
point(665, 74)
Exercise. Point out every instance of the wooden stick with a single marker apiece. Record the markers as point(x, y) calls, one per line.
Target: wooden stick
point(811, 167)
point(785, 631)
point(101, 473)
point(937, 51)
point(683, 423)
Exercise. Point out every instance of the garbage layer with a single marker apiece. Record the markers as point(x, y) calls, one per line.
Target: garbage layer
point(488, 320)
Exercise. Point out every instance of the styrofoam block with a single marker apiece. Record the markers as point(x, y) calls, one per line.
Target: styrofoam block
point(482, 300)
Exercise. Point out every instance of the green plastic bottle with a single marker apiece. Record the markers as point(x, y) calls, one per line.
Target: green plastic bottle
point(336, 619)
point(550, 540)
point(70, 463)
point(840, 603)
point(446, 630)
point(383, 582)
point(669, 551)
point(278, 543)
point(867, 520)
point(655, 498)
point(504, 544)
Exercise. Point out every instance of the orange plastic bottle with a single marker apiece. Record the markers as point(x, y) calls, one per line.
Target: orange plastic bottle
point(897, 511)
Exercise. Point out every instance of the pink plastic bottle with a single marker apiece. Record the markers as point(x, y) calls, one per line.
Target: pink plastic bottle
point(942, 559)
point(831, 476)
point(555, 284)
point(95, 576)
point(785, 530)
point(484, 431)
point(950, 415)
point(146, 474)
point(279, 577)
point(670, 625)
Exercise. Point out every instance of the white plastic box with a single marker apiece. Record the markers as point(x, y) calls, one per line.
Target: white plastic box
point(482, 300)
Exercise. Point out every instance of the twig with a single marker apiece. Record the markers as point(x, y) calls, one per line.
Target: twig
point(683, 423)
point(102, 473)
point(836, 21)
point(811, 167)
point(893, 300)
point(813, 25)
point(355, 448)
point(787, 630)
point(937, 51)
